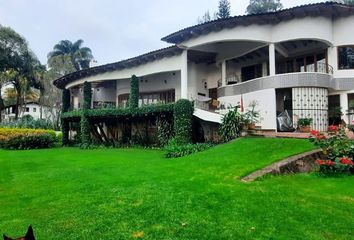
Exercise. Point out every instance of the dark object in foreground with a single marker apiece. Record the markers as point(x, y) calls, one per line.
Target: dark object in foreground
point(29, 235)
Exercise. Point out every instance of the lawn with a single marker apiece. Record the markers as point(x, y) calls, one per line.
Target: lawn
point(68, 193)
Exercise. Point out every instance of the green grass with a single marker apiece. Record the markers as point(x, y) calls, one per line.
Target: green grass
point(68, 193)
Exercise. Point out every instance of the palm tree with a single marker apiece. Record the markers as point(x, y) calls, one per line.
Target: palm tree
point(80, 56)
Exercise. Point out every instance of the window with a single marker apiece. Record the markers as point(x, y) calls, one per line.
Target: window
point(34, 109)
point(346, 57)
point(27, 109)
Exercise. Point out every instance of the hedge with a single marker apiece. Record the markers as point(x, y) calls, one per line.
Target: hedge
point(85, 122)
point(15, 138)
point(155, 109)
point(183, 116)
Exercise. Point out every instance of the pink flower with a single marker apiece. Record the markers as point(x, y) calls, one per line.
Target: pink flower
point(314, 132)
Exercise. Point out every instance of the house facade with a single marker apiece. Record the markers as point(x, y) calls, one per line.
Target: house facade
point(33, 109)
point(299, 60)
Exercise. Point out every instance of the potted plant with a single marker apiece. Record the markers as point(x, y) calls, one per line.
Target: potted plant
point(252, 115)
point(304, 124)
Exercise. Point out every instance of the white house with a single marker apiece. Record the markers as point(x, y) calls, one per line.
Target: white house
point(299, 59)
point(32, 109)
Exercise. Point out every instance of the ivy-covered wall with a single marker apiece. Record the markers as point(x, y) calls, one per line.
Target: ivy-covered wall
point(85, 122)
point(183, 116)
point(134, 92)
point(64, 123)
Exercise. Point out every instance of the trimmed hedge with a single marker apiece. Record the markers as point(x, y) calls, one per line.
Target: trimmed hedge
point(155, 109)
point(134, 92)
point(183, 116)
point(87, 95)
point(164, 127)
point(14, 138)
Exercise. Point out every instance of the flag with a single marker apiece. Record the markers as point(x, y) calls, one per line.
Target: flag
point(241, 105)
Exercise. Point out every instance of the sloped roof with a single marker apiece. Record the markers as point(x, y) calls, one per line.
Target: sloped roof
point(328, 9)
point(132, 62)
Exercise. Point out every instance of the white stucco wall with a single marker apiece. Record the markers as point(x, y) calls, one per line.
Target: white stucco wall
point(153, 83)
point(163, 65)
point(267, 106)
point(35, 111)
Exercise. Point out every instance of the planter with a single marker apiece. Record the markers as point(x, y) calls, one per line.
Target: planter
point(305, 129)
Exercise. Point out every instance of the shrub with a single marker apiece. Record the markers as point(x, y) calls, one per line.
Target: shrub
point(303, 122)
point(231, 126)
point(164, 130)
point(28, 121)
point(337, 148)
point(183, 116)
point(11, 138)
point(174, 150)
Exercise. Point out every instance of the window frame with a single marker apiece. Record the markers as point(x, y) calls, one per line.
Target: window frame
point(338, 65)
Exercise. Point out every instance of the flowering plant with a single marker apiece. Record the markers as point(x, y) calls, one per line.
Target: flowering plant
point(337, 148)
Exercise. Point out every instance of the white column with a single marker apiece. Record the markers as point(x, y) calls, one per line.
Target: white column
point(271, 59)
point(223, 73)
point(344, 105)
point(184, 75)
point(332, 58)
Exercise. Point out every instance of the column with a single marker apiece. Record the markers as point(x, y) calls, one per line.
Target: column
point(184, 75)
point(332, 59)
point(223, 73)
point(344, 105)
point(271, 59)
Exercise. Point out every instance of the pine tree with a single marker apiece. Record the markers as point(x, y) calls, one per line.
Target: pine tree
point(224, 9)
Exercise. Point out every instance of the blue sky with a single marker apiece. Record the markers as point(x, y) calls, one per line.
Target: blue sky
point(113, 29)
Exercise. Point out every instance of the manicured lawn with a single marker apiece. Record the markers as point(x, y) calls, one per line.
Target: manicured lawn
point(68, 193)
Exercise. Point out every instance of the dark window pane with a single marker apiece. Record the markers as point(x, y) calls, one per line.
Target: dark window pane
point(346, 57)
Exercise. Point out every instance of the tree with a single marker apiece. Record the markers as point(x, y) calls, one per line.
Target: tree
point(80, 57)
point(263, 6)
point(205, 18)
point(349, 2)
point(17, 63)
point(224, 9)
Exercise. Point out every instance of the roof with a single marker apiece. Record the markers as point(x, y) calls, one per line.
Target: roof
point(132, 62)
point(328, 9)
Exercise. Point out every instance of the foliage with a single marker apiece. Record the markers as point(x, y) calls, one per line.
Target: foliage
point(183, 116)
point(335, 114)
point(18, 64)
point(252, 115)
point(206, 18)
point(174, 150)
point(85, 122)
point(164, 129)
point(134, 92)
point(65, 131)
point(87, 91)
point(80, 57)
point(231, 126)
point(349, 2)
point(154, 109)
point(28, 121)
point(224, 9)
point(65, 100)
point(14, 138)
point(303, 122)
point(263, 6)
point(336, 147)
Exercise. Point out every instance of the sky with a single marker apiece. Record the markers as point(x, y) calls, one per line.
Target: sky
point(113, 29)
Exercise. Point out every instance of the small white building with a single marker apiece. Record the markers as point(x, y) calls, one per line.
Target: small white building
point(299, 59)
point(32, 109)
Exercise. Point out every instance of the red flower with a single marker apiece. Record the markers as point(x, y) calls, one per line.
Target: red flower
point(320, 137)
point(314, 132)
point(330, 163)
point(320, 162)
point(332, 128)
point(346, 161)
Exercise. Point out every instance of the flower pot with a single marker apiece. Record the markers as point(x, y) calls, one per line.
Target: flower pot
point(305, 129)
